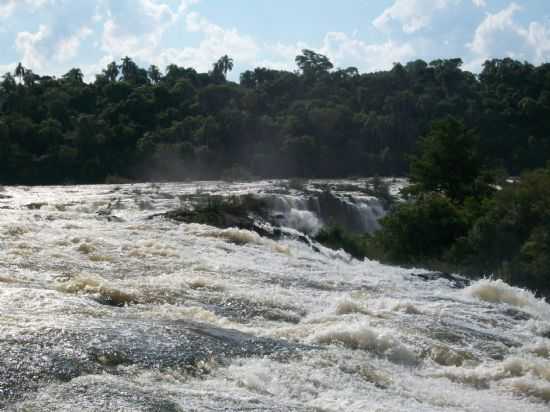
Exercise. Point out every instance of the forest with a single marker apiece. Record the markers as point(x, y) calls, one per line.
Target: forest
point(318, 121)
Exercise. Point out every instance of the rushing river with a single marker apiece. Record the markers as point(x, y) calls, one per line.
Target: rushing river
point(104, 309)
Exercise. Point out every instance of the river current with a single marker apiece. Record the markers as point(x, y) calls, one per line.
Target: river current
point(103, 308)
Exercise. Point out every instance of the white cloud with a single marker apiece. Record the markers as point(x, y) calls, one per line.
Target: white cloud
point(538, 37)
point(141, 40)
point(160, 12)
point(350, 51)
point(343, 50)
point(116, 41)
point(281, 56)
point(90, 70)
point(486, 33)
point(185, 5)
point(68, 48)
point(413, 15)
point(28, 43)
point(5, 68)
point(216, 42)
point(500, 35)
point(479, 3)
point(7, 7)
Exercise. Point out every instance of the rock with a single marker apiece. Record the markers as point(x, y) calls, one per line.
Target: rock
point(36, 205)
point(41, 358)
point(456, 281)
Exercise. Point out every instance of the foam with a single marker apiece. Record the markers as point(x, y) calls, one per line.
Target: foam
point(361, 336)
point(96, 285)
point(195, 313)
point(239, 236)
point(346, 307)
point(540, 348)
point(497, 291)
point(484, 375)
point(446, 356)
point(528, 387)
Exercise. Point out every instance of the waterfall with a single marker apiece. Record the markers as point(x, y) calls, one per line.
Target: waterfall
point(310, 212)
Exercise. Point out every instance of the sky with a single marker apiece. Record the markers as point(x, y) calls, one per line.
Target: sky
point(53, 36)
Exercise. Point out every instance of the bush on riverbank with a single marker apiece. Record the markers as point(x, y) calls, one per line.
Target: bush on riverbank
point(336, 237)
point(512, 238)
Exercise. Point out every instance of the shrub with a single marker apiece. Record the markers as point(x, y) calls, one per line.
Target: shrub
point(423, 229)
point(335, 237)
point(512, 238)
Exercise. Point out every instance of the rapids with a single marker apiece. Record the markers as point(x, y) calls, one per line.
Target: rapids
point(103, 308)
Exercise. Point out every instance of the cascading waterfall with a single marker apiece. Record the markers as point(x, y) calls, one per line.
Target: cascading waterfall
point(309, 212)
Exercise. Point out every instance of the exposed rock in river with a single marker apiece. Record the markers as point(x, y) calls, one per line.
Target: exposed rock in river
point(188, 346)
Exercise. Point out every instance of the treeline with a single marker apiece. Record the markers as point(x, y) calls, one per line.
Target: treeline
point(316, 122)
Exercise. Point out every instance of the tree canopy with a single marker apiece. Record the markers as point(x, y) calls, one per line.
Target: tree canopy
point(318, 121)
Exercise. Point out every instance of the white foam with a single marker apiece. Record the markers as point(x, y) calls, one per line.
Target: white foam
point(497, 291)
point(368, 323)
point(361, 336)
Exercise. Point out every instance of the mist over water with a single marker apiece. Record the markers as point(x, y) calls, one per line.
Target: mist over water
point(103, 308)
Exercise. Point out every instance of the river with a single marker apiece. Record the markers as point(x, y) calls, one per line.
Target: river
point(103, 308)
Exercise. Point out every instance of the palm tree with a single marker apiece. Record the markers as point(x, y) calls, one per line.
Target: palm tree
point(223, 66)
point(20, 72)
point(154, 74)
point(129, 69)
point(111, 72)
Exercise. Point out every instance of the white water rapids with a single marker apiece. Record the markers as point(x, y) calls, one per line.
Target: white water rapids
point(337, 334)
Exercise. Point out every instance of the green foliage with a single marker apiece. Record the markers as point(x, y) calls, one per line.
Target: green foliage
point(511, 238)
point(313, 64)
point(449, 162)
point(457, 222)
point(317, 122)
point(337, 238)
point(422, 230)
point(223, 66)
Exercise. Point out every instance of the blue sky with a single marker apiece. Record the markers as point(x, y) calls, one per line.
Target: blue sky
point(52, 36)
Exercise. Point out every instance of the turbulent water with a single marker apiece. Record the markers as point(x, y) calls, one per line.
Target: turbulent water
point(102, 308)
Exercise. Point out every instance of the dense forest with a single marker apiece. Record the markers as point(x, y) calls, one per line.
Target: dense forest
point(318, 121)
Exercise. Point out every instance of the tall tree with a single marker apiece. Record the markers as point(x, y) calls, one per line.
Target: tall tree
point(20, 72)
point(223, 66)
point(313, 64)
point(129, 69)
point(111, 72)
point(449, 162)
point(74, 75)
point(154, 74)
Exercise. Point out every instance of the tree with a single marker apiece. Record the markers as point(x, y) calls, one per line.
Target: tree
point(30, 78)
point(223, 66)
point(74, 76)
point(20, 72)
point(421, 230)
point(129, 69)
point(449, 162)
point(8, 82)
point(111, 72)
point(313, 64)
point(154, 74)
